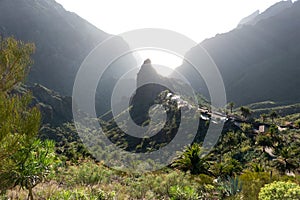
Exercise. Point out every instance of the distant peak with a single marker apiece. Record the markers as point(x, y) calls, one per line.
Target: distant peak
point(147, 61)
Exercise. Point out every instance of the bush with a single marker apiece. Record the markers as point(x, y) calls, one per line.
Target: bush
point(279, 190)
point(82, 194)
point(183, 193)
point(87, 173)
point(252, 183)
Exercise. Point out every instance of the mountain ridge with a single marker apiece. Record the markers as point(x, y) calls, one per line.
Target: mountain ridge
point(62, 38)
point(257, 63)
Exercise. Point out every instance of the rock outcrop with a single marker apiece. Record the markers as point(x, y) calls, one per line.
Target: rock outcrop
point(149, 85)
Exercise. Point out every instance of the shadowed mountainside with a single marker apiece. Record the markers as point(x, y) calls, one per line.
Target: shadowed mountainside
point(258, 62)
point(62, 39)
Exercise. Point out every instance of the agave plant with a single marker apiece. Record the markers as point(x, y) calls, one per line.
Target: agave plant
point(231, 186)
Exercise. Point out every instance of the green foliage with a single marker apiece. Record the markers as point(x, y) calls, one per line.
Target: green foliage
point(246, 112)
point(14, 62)
point(288, 160)
point(88, 173)
point(190, 160)
point(82, 195)
point(229, 167)
point(19, 124)
point(264, 141)
point(297, 123)
point(25, 161)
point(279, 190)
point(183, 193)
point(230, 106)
point(39, 161)
point(273, 114)
point(231, 186)
point(247, 128)
point(257, 167)
point(252, 182)
point(263, 117)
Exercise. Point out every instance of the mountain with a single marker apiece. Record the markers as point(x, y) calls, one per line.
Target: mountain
point(249, 19)
point(62, 39)
point(55, 109)
point(257, 62)
point(149, 86)
point(270, 12)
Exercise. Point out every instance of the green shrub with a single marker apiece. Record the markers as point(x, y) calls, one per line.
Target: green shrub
point(88, 173)
point(183, 193)
point(82, 195)
point(252, 183)
point(69, 195)
point(279, 190)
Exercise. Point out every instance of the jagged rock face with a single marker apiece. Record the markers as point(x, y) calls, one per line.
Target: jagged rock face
point(149, 85)
point(147, 74)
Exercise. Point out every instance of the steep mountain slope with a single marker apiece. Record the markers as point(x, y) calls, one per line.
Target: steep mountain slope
point(258, 62)
point(62, 39)
point(249, 19)
point(55, 109)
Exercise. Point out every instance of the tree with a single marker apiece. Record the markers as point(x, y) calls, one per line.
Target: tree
point(14, 62)
point(273, 115)
point(287, 160)
point(231, 105)
point(24, 159)
point(17, 120)
point(190, 160)
point(264, 117)
point(229, 167)
point(264, 141)
point(246, 112)
point(38, 161)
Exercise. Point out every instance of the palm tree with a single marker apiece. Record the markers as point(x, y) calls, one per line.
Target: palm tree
point(286, 160)
point(273, 115)
point(190, 160)
point(229, 167)
point(264, 117)
point(264, 141)
point(246, 112)
point(231, 105)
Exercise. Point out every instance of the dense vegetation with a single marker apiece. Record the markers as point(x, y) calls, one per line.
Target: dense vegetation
point(25, 160)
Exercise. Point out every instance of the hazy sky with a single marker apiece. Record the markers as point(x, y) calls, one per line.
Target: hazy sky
point(197, 19)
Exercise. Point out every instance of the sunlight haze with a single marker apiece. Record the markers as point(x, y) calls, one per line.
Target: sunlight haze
point(196, 19)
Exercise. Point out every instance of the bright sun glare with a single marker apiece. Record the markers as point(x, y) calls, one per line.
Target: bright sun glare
point(196, 19)
point(164, 62)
